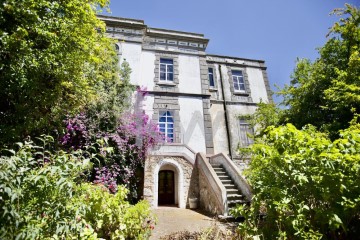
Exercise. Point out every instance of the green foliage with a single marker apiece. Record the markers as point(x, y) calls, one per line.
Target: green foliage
point(307, 186)
point(53, 57)
point(111, 217)
point(266, 115)
point(43, 196)
point(111, 100)
point(35, 187)
point(326, 93)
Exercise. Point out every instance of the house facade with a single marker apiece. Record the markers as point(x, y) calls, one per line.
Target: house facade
point(195, 97)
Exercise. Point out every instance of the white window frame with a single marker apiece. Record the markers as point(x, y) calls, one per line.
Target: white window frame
point(167, 127)
point(166, 70)
point(245, 129)
point(238, 80)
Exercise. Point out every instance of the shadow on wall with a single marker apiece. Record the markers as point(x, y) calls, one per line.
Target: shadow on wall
point(194, 186)
point(196, 120)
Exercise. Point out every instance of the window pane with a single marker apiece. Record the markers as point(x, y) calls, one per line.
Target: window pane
point(169, 76)
point(241, 79)
point(162, 119)
point(236, 86)
point(162, 76)
point(170, 130)
point(236, 73)
point(170, 68)
point(165, 60)
point(242, 87)
point(162, 67)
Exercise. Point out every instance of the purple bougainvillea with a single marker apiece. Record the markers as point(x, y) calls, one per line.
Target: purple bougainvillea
point(76, 135)
point(108, 177)
point(120, 152)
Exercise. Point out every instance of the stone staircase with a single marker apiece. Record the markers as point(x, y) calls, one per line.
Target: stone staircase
point(233, 194)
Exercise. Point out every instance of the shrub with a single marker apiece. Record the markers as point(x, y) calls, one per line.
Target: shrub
point(43, 195)
point(307, 186)
point(35, 187)
point(111, 217)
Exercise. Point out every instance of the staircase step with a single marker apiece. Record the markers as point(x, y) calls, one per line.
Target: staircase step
point(216, 165)
point(234, 196)
point(218, 168)
point(229, 185)
point(238, 201)
point(224, 177)
point(226, 181)
point(232, 192)
point(235, 190)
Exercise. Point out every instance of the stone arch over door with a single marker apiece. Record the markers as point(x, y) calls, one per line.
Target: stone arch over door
point(169, 164)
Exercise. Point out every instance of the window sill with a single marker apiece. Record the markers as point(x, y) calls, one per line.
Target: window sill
point(166, 84)
point(213, 89)
point(241, 94)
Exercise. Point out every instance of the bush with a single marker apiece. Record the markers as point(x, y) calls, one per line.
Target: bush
point(307, 186)
point(43, 195)
point(111, 217)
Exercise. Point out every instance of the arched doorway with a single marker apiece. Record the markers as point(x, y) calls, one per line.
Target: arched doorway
point(170, 169)
point(166, 187)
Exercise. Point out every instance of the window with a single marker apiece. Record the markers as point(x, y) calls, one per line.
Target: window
point(238, 79)
point(211, 78)
point(166, 69)
point(166, 126)
point(246, 132)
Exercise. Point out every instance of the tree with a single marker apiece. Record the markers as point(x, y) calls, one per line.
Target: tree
point(266, 115)
point(326, 93)
point(306, 185)
point(306, 182)
point(53, 56)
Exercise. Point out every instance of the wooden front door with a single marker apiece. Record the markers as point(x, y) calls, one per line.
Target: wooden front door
point(166, 188)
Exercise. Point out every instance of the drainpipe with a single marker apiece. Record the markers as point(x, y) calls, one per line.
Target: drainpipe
point(225, 113)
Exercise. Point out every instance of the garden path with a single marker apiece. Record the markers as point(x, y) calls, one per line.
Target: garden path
point(173, 219)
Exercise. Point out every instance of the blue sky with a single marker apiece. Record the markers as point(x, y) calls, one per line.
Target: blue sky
point(276, 31)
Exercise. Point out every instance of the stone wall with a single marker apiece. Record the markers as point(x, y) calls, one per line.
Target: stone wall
point(207, 199)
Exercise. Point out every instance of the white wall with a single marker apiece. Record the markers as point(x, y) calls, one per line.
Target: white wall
point(219, 128)
point(257, 85)
point(192, 123)
point(148, 104)
point(189, 74)
point(147, 68)
point(132, 53)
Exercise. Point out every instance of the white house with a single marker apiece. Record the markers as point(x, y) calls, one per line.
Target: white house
point(196, 98)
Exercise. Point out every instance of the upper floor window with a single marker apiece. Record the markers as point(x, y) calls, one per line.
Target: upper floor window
point(211, 78)
point(238, 80)
point(246, 133)
point(166, 126)
point(166, 69)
